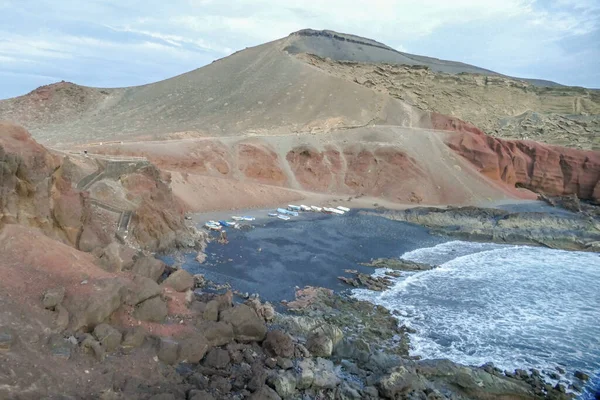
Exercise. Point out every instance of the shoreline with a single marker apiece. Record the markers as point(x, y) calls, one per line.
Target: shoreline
point(348, 292)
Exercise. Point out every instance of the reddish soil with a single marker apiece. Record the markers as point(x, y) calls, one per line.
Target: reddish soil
point(543, 168)
point(260, 164)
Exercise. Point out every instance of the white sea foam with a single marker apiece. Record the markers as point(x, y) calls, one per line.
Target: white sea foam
point(517, 306)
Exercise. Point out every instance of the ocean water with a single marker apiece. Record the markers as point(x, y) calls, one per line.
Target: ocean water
point(276, 256)
point(517, 306)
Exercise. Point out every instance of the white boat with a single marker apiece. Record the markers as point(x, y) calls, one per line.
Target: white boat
point(283, 217)
point(345, 209)
point(305, 208)
point(213, 227)
point(287, 212)
point(245, 218)
point(292, 207)
point(228, 224)
point(236, 218)
point(333, 211)
point(316, 209)
point(273, 214)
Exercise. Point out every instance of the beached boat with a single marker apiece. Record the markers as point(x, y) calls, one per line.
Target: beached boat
point(283, 217)
point(333, 211)
point(287, 212)
point(316, 209)
point(236, 218)
point(245, 218)
point(273, 214)
point(305, 208)
point(227, 223)
point(345, 209)
point(292, 207)
point(213, 227)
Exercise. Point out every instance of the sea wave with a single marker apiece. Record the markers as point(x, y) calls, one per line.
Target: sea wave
point(517, 306)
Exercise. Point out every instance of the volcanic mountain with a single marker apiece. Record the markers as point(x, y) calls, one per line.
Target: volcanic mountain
point(324, 112)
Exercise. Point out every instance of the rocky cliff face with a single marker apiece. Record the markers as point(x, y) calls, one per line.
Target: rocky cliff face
point(536, 166)
point(34, 191)
point(40, 189)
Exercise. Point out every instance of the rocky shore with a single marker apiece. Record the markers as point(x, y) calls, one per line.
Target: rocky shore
point(201, 341)
point(89, 313)
point(578, 230)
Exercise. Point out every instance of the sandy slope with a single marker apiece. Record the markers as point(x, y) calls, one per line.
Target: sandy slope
point(401, 165)
point(259, 90)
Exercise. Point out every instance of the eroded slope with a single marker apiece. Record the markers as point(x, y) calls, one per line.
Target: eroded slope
point(501, 106)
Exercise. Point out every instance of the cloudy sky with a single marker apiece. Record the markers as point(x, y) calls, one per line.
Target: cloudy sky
point(113, 43)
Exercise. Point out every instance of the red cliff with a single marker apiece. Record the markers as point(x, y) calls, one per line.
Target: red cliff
point(542, 168)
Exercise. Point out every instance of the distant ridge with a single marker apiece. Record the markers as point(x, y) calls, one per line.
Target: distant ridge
point(346, 47)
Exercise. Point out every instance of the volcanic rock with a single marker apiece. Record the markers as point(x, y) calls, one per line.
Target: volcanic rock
point(109, 337)
point(247, 325)
point(180, 280)
point(153, 310)
point(149, 267)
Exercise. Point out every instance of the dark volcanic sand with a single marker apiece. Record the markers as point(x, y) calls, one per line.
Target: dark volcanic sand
point(312, 249)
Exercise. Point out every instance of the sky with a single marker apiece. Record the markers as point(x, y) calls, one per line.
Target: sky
point(116, 43)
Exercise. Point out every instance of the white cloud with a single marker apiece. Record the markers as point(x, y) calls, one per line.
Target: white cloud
point(174, 40)
point(167, 38)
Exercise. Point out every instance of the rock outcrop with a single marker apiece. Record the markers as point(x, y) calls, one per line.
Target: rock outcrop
point(39, 189)
point(542, 168)
point(568, 232)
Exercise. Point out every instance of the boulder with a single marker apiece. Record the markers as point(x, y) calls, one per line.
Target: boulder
point(399, 381)
point(284, 363)
point(90, 344)
point(180, 281)
point(319, 344)
point(217, 358)
point(193, 348)
point(143, 289)
point(53, 297)
point(259, 377)
point(305, 373)
point(221, 384)
point(211, 312)
point(62, 318)
point(168, 351)
point(133, 338)
point(271, 362)
point(109, 337)
point(284, 383)
point(110, 258)
point(149, 267)
point(153, 310)
point(325, 376)
point(225, 300)
point(95, 308)
point(346, 392)
point(247, 325)
point(278, 344)
point(305, 326)
point(216, 333)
